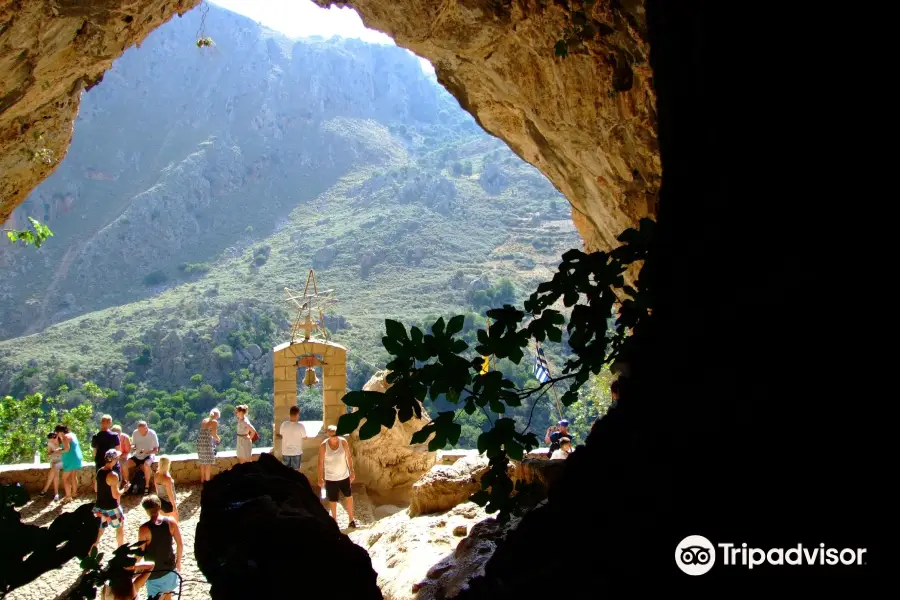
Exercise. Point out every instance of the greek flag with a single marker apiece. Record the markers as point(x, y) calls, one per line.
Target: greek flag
point(541, 372)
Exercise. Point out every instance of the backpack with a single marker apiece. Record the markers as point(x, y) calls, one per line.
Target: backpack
point(138, 483)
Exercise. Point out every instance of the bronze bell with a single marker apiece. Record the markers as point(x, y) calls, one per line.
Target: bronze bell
point(310, 379)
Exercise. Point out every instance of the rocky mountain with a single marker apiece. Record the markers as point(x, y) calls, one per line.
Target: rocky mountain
point(202, 181)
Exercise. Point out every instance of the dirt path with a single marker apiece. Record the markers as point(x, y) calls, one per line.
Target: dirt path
point(41, 511)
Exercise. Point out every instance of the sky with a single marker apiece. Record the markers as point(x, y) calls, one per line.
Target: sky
point(302, 18)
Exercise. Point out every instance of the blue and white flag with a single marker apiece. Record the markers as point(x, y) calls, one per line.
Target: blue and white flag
point(541, 372)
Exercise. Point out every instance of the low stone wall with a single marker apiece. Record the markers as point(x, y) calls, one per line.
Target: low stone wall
point(185, 469)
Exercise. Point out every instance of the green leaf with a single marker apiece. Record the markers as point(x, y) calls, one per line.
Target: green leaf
point(349, 422)
point(456, 324)
point(362, 399)
point(438, 328)
point(480, 497)
point(515, 451)
point(395, 330)
point(370, 429)
point(421, 436)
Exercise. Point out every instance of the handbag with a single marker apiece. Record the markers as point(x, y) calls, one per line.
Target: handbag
point(254, 437)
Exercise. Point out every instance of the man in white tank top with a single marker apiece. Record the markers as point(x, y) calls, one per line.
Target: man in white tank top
point(336, 472)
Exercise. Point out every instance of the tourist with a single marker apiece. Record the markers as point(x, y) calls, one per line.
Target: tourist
point(336, 472)
point(554, 434)
point(107, 508)
point(54, 453)
point(565, 448)
point(245, 432)
point(146, 446)
point(125, 448)
point(165, 483)
point(206, 443)
point(292, 433)
point(102, 441)
point(71, 461)
point(158, 534)
point(123, 585)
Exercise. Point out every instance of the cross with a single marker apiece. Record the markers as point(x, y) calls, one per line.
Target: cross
point(307, 303)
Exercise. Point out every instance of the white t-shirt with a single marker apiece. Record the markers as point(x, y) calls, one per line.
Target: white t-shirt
point(559, 454)
point(292, 434)
point(143, 444)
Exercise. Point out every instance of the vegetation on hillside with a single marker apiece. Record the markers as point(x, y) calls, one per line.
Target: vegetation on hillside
point(439, 363)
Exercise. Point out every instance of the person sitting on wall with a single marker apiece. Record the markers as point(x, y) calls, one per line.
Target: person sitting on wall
point(146, 445)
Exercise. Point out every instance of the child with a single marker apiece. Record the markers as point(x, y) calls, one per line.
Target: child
point(54, 451)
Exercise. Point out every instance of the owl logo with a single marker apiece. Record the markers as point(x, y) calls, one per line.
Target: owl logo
point(695, 555)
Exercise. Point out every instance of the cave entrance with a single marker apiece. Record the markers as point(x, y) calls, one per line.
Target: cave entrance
point(290, 358)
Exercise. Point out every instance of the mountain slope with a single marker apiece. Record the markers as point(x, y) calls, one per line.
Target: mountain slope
point(201, 182)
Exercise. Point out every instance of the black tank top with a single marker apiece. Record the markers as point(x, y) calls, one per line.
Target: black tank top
point(159, 550)
point(105, 498)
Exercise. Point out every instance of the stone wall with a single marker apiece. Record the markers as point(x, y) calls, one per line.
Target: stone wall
point(185, 469)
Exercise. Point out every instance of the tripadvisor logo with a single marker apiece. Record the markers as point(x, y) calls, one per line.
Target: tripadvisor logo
point(696, 555)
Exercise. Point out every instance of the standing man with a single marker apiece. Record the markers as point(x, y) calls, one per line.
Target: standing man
point(103, 441)
point(107, 508)
point(157, 536)
point(336, 472)
point(553, 437)
point(292, 433)
point(146, 447)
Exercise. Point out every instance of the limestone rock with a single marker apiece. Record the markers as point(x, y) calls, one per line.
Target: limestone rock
point(587, 121)
point(387, 464)
point(445, 486)
point(50, 53)
point(421, 557)
point(246, 540)
point(385, 510)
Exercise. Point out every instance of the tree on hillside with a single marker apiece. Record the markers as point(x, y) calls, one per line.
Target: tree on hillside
point(25, 423)
point(594, 399)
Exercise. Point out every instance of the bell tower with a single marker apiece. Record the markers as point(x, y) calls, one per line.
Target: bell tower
point(308, 352)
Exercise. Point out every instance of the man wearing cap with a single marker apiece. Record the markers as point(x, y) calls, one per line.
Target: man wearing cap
point(554, 434)
point(146, 446)
point(107, 508)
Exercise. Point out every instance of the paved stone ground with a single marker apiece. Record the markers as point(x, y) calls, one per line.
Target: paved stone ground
point(42, 511)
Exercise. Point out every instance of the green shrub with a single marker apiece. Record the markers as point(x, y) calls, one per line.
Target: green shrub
point(223, 353)
point(155, 278)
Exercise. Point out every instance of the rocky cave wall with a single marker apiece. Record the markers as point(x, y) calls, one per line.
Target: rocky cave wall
point(49, 53)
point(588, 121)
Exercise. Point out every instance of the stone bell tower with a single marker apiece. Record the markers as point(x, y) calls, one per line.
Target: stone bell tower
point(308, 352)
